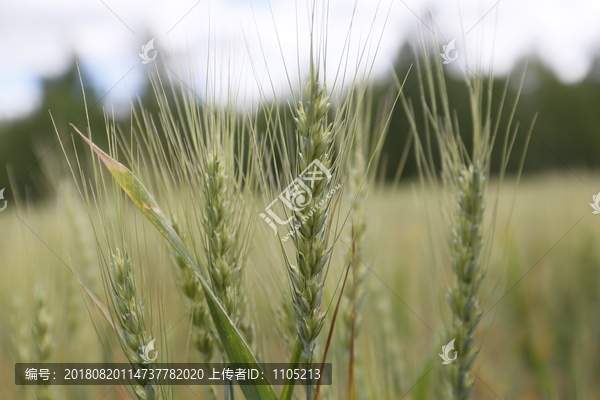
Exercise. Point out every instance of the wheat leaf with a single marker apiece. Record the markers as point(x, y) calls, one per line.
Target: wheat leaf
point(236, 348)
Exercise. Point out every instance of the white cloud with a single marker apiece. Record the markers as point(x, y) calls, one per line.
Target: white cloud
point(39, 38)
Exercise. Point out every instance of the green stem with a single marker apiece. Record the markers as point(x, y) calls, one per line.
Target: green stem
point(228, 388)
point(228, 391)
point(288, 389)
point(309, 389)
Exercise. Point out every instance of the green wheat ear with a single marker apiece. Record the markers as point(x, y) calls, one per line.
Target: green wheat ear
point(192, 290)
point(43, 340)
point(315, 142)
point(223, 241)
point(131, 319)
point(465, 175)
point(466, 240)
point(42, 328)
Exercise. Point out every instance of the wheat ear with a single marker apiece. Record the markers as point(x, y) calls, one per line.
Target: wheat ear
point(355, 294)
point(190, 287)
point(43, 342)
point(315, 142)
point(223, 237)
point(466, 243)
point(130, 318)
point(42, 323)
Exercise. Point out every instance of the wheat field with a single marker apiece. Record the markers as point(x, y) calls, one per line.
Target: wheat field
point(205, 232)
point(540, 341)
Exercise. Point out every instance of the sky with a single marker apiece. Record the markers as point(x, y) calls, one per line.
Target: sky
point(252, 49)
